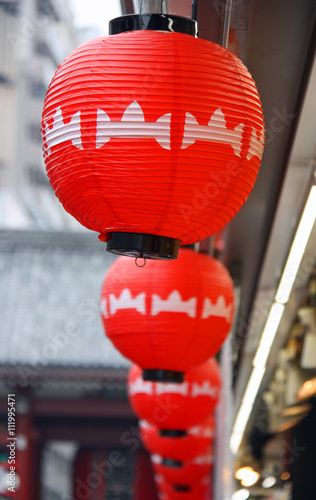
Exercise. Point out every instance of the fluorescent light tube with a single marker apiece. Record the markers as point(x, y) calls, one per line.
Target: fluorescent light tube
point(268, 335)
point(297, 250)
point(246, 407)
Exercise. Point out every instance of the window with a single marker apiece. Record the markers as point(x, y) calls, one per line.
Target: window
point(10, 6)
point(37, 176)
point(34, 132)
point(38, 89)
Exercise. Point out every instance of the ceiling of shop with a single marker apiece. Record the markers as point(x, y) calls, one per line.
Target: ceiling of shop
point(276, 42)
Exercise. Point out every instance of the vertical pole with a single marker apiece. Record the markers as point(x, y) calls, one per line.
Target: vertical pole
point(223, 478)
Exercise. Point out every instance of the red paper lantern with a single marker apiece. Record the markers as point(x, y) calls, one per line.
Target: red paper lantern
point(182, 448)
point(176, 407)
point(152, 138)
point(183, 473)
point(168, 316)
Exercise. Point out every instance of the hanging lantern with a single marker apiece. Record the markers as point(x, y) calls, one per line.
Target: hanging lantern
point(183, 473)
point(180, 448)
point(174, 408)
point(151, 136)
point(168, 316)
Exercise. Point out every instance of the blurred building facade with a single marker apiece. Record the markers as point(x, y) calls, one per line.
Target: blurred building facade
point(68, 379)
point(35, 36)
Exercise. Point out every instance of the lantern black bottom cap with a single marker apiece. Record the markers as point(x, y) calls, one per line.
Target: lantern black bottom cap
point(163, 376)
point(181, 488)
point(140, 245)
point(174, 433)
point(169, 462)
point(156, 22)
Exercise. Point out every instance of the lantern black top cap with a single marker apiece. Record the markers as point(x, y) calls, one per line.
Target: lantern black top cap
point(154, 22)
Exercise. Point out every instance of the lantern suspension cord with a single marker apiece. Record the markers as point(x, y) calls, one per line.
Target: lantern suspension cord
point(141, 7)
point(141, 11)
point(226, 26)
point(194, 8)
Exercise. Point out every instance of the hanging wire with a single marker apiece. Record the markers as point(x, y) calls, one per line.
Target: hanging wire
point(194, 8)
point(141, 12)
point(141, 7)
point(226, 27)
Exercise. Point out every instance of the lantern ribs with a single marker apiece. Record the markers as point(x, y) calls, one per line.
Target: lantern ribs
point(133, 126)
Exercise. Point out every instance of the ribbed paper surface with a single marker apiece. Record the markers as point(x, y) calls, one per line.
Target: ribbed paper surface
point(168, 315)
point(152, 132)
point(166, 406)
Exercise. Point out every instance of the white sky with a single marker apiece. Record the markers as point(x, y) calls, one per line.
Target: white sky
point(95, 13)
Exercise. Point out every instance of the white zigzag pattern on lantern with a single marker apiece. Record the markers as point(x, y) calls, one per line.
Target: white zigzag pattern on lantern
point(201, 431)
point(256, 144)
point(200, 460)
point(61, 132)
point(158, 478)
point(165, 388)
point(133, 126)
point(125, 301)
point(104, 308)
point(204, 389)
point(145, 425)
point(173, 303)
point(219, 309)
point(203, 460)
point(156, 459)
point(215, 131)
point(140, 386)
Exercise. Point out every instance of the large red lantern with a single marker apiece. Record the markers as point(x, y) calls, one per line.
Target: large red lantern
point(180, 448)
point(168, 316)
point(174, 408)
point(152, 137)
